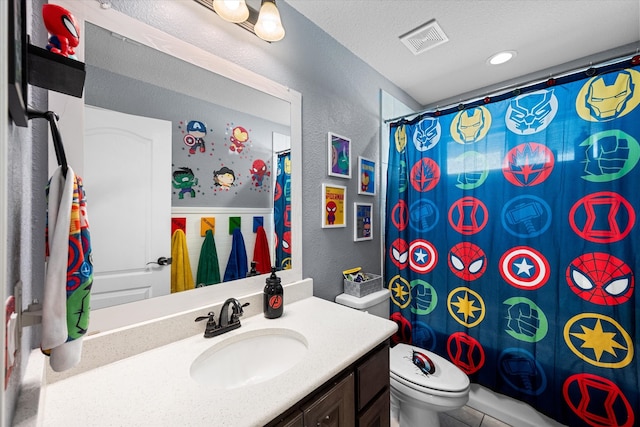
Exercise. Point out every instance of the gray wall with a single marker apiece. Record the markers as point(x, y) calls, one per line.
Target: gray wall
point(340, 93)
point(25, 210)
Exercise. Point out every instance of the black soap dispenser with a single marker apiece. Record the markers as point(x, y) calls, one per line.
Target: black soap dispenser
point(253, 271)
point(273, 296)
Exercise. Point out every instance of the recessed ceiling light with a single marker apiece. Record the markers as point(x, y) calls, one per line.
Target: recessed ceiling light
point(502, 57)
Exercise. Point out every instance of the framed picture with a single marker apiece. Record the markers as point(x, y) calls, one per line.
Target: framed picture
point(339, 155)
point(366, 176)
point(334, 206)
point(362, 219)
point(17, 62)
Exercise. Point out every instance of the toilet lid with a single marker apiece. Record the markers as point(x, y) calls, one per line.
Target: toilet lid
point(419, 367)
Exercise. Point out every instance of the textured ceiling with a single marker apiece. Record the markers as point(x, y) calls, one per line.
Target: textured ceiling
point(546, 34)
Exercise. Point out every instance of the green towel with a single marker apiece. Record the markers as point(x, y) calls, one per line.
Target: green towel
point(208, 268)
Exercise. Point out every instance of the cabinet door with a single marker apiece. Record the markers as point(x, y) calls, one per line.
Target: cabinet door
point(378, 414)
point(336, 408)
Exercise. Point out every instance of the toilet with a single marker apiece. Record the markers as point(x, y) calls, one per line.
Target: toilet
point(422, 383)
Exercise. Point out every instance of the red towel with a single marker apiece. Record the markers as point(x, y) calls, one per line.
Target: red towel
point(261, 252)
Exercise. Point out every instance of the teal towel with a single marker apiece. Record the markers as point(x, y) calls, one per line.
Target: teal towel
point(208, 268)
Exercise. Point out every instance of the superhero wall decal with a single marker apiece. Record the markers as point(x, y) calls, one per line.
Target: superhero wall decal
point(214, 162)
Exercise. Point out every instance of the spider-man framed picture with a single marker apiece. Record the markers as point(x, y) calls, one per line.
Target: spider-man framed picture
point(338, 155)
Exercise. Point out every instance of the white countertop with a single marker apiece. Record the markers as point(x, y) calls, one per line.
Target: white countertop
point(155, 388)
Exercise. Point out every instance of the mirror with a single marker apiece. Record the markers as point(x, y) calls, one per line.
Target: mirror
point(222, 89)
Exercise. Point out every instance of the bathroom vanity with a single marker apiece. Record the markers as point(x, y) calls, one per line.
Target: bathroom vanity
point(343, 372)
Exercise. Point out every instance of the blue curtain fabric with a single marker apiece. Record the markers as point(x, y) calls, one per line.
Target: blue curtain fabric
point(282, 212)
point(512, 243)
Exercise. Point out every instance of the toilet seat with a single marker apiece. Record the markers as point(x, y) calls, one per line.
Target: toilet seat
point(435, 375)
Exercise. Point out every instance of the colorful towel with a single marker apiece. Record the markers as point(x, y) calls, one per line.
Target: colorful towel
point(237, 267)
point(181, 275)
point(261, 252)
point(208, 268)
point(69, 273)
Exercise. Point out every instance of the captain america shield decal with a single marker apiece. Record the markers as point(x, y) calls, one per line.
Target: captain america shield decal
point(524, 268)
point(423, 256)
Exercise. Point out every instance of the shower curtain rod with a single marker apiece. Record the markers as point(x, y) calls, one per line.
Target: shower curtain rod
point(522, 86)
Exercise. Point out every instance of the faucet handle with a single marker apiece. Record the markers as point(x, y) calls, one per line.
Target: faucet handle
point(211, 324)
point(211, 317)
point(237, 311)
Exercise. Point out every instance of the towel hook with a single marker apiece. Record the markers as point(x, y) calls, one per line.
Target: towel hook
point(52, 118)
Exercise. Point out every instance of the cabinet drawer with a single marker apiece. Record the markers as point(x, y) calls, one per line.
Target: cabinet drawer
point(372, 376)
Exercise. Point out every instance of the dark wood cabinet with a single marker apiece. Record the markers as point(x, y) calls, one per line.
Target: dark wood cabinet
point(334, 408)
point(358, 396)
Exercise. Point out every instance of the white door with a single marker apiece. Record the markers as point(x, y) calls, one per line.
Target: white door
point(127, 177)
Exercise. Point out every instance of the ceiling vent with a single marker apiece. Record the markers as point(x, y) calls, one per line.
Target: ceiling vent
point(425, 37)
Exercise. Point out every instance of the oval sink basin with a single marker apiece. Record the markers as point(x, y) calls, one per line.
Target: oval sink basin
point(249, 358)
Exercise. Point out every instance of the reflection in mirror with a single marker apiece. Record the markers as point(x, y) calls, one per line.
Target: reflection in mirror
point(154, 117)
point(222, 172)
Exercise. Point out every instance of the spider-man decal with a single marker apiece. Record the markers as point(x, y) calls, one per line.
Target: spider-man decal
point(467, 261)
point(601, 278)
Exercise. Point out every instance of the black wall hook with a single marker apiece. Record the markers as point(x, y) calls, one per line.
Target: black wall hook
point(52, 118)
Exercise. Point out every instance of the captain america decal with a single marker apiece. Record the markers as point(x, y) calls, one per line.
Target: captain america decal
point(524, 268)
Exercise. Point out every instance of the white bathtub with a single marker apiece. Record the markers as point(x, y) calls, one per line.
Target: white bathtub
point(507, 409)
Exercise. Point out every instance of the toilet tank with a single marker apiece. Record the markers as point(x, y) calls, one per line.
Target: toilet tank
point(376, 303)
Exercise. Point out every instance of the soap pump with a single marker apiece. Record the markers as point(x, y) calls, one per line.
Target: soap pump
point(253, 271)
point(273, 296)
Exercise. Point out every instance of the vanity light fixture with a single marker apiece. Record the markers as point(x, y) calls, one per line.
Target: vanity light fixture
point(269, 26)
point(231, 10)
point(501, 57)
point(265, 24)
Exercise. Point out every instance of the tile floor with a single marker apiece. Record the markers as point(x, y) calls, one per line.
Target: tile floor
point(469, 417)
point(464, 417)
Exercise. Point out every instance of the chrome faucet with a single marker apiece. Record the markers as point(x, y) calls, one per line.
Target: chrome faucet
point(225, 323)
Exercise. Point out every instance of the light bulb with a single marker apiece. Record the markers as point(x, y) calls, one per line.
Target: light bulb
point(231, 10)
point(269, 27)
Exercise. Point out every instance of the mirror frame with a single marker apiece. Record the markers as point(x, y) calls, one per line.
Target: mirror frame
point(71, 125)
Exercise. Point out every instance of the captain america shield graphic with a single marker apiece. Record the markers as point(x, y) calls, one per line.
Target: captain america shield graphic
point(423, 256)
point(524, 268)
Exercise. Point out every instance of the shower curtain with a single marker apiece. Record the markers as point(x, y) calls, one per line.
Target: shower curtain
point(282, 212)
point(512, 243)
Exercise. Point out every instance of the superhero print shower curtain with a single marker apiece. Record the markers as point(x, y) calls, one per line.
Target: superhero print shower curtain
point(512, 243)
point(282, 212)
